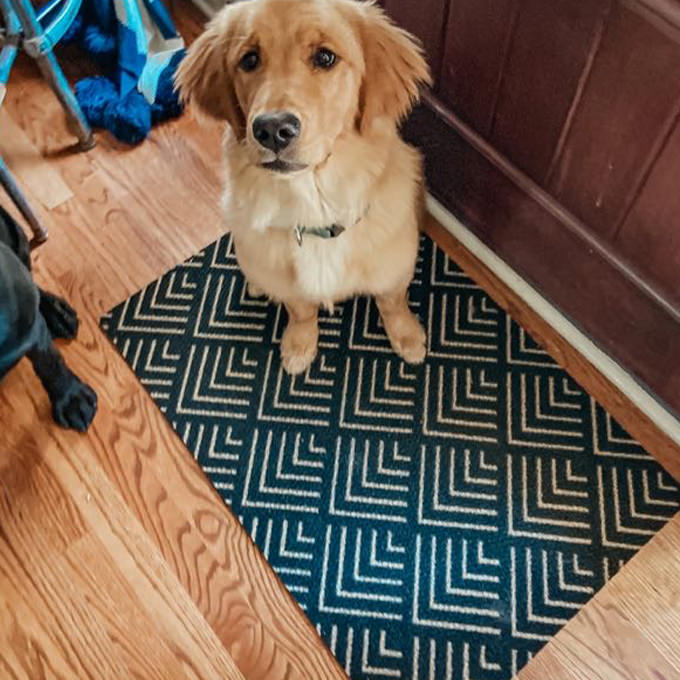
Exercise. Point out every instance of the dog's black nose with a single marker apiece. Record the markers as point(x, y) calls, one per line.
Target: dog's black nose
point(276, 131)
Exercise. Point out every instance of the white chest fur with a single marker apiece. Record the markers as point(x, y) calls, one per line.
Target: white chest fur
point(371, 195)
point(322, 267)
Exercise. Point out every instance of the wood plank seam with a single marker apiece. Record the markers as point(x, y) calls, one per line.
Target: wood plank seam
point(578, 94)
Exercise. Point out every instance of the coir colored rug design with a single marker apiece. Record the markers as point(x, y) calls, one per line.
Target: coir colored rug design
point(440, 521)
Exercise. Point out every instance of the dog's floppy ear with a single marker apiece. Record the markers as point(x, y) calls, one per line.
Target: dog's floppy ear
point(395, 68)
point(204, 79)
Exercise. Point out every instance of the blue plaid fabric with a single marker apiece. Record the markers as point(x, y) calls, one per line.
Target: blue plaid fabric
point(138, 47)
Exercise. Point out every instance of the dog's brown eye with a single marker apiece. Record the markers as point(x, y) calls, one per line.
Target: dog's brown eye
point(249, 61)
point(324, 58)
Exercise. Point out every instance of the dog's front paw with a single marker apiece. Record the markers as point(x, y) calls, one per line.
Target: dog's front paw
point(254, 291)
point(298, 346)
point(76, 406)
point(60, 317)
point(407, 337)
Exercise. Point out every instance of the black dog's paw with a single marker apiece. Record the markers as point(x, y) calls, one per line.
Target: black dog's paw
point(61, 318)
point(76, 407)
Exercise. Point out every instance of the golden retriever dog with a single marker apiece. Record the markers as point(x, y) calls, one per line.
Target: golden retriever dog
point(322, 196)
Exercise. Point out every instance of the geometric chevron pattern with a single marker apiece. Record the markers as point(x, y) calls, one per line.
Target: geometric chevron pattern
point(440, 521)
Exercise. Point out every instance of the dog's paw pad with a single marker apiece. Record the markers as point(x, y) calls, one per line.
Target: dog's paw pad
point(76, 408)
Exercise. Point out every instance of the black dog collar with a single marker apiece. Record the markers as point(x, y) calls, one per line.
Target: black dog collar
point(332, 231)
point(322, 232)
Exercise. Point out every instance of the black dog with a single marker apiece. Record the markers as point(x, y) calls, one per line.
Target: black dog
point(29, 319)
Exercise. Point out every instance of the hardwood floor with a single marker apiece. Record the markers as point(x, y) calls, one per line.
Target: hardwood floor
point(84, 593)
point(117, 557)
point(630, 629)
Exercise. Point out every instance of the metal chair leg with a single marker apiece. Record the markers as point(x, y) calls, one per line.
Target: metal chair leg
point(17, 196)
point(39, 45)
point(55, 77)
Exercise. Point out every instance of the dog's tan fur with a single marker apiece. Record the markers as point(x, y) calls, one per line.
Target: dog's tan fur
point(358, 173)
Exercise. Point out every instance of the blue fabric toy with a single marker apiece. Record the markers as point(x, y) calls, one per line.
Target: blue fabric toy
point(137, 44)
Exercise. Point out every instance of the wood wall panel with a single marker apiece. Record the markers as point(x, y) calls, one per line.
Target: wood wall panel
point(478, 36)
point(426, 20)
point(628, 105)
point(650, 235)
point(552, 48)
point(583, 97)
point(503, 208)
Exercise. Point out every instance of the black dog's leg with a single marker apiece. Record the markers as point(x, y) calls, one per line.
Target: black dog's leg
point(29, 319)
point(13, 236)
point(74, 403)
point(60, 317)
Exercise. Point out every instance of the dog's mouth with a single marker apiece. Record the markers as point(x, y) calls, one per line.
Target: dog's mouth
point(279, 165)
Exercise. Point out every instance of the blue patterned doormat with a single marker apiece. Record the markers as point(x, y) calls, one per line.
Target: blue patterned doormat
point(437, 522)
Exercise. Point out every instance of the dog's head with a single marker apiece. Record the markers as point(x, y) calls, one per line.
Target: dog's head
point(291, 76)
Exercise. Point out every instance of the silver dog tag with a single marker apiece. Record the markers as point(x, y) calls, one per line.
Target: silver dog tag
point(298, 234)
